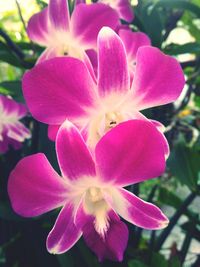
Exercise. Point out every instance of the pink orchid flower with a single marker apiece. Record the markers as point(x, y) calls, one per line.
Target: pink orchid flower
point(132, 42)
point(12, 131)
point(90, 190)
point(123, 8)
point(64, 35)
point(62, 88)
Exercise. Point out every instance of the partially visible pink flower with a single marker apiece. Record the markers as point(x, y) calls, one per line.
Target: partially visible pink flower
point(132, 42)
point(123, 8)
point(12, 131)
point(63, 34)
point(90, 190)
point(65, 88)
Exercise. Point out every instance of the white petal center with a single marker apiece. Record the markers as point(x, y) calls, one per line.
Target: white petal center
point(93, 194)
point(110, 111)
point(66, 44)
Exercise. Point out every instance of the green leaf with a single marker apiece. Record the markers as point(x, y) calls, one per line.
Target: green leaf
point(192, 229)
point(197, 101)
point(12, 88)
point(158, 260)
point(184, 164)
point(148, 20)
point(41, 3)
point(174, 49)
point(174, 262)
point(8, 56)
point(136, 263)
point(179, 4)
point(169, 198)
point(189, 23)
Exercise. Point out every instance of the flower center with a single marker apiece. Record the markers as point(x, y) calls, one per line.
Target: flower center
point(96, 205)
point(72, 50)
point(66, 44)
point(110, 110)
point(94, 194)
point(101, 124)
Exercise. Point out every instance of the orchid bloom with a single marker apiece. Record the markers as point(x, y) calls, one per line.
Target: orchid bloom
point(90, 190)
point(64, 35)
point(132, 42)
point(123, 7)
point(12, 131)
point(62, 88)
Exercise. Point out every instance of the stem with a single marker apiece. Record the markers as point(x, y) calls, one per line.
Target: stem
point(12, 45)
point(163, 236)
point(139, 231)
point(152, 239)
point(185, 246)
point(152, 193)
point(135, 190)
point(20, 14)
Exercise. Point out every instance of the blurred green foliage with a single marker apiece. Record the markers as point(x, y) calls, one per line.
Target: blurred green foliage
point(22, 242)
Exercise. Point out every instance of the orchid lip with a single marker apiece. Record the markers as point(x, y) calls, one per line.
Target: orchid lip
point(91, 192)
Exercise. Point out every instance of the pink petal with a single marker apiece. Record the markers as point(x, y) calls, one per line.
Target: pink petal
point(79, 2)
point(159, 126)
point(37, 28)
point(34, 187)
point(81, 219)
point(73, 155)
point(7, 142)
point(18, 132)
point(158, 78)
point(113, 67)
point(125, 10)
point(52, 131)
point(131, 152)
point(47, 54)
point(57, 89)
point(92, 54)
point(59, 14)
point(94, 15)
point(10, 106)
point(64, 233)
point(139, 212)
point(4, 144)
point(133, 41)
point(111, 247)
point(85, 58)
